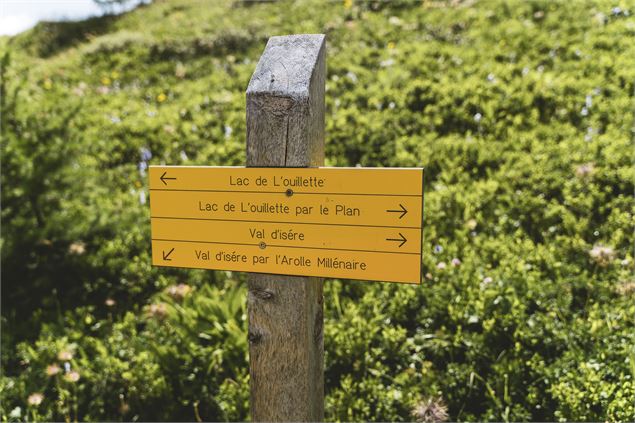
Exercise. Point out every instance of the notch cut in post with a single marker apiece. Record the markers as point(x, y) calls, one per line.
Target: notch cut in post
point(285, 128)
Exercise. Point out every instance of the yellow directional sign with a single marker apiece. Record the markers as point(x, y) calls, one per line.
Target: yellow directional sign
point(354, 223)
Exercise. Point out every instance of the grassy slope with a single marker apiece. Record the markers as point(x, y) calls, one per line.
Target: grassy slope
point(501, 102)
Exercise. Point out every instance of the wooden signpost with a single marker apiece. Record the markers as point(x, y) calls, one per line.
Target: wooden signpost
point(288, 221)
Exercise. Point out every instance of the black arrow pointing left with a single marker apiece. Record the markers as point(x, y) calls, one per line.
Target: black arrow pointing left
point(402, 239)
point(165, 256)
point(165, 178)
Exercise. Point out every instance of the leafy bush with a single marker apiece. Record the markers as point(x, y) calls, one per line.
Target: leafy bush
point(521, 113)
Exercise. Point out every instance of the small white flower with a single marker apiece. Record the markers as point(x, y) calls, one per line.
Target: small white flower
point(600, 18)
point(77, 248)
point(16, 413)
point(430, 410)
point(180, 70)
point(602, 255)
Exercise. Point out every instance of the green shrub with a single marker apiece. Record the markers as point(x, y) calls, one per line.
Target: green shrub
point(521, 113)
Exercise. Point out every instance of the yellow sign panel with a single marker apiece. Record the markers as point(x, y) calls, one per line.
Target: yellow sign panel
point(341, 209)
point(354, 223)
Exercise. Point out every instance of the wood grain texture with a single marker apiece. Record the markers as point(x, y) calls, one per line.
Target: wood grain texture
point(285, 128)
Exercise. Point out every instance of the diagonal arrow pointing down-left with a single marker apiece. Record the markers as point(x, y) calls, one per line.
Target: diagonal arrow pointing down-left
point(165, 256)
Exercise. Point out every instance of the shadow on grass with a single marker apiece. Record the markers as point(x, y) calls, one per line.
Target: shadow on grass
point(47, 39)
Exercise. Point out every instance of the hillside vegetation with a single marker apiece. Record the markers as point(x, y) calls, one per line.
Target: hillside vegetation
point(522, 113)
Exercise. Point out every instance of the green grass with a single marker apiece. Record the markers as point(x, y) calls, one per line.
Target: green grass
point(522, 114)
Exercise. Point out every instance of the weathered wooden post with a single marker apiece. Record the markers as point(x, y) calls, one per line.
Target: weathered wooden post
point(285, 128)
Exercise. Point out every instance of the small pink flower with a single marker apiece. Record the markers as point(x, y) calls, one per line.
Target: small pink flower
point(110, 302)
point(456, 262)
point(52, 369)
point(124, 408)
point(585, 170)
point(80, 89)
point(65, 355)
point(179, 292)
point(158, 311)
point(626, 287)
point(441, 265)
point(71, 376)
point(35, 399)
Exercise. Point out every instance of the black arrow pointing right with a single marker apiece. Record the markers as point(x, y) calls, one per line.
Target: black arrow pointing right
point(165, 256)
point(402, 210)
point(165, 178)
point(402, 239)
